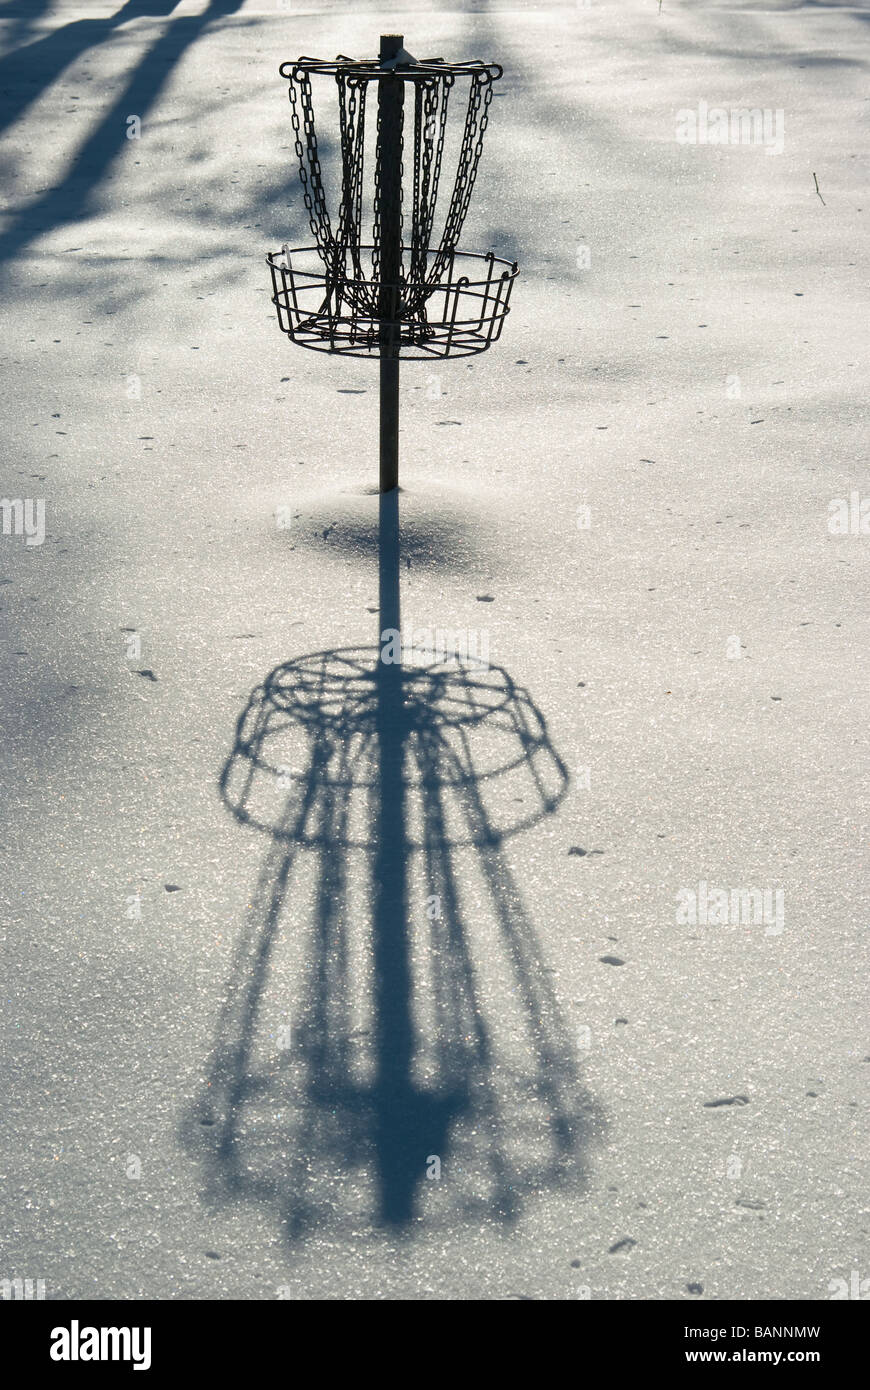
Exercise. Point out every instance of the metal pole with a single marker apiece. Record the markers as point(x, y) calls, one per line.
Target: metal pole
point(391, 96)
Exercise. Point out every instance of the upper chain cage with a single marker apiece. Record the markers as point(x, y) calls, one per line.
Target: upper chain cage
point(344, 293)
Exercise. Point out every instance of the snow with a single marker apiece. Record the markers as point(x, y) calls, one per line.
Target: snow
point(627, 498)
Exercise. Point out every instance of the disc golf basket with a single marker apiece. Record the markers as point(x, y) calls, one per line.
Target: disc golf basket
point(378, 281)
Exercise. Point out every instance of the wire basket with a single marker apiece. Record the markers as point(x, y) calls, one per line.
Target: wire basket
point(379, 279)
point(458, 316)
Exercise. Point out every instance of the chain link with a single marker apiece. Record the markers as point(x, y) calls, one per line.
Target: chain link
point(309, 162)
point(352, 104)
point(476, 119)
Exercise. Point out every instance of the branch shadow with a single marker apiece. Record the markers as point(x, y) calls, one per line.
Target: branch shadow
point(69, 200)
point(425, 1073)
point(36, 65)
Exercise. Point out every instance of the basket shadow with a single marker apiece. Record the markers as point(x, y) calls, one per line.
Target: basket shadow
point(427, 1041)
point(425, 1073)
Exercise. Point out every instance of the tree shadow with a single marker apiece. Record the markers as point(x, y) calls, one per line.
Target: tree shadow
point(29, 70)
point(39, 63)
point(21, 17)
point(390, 1050)
point(36, 65)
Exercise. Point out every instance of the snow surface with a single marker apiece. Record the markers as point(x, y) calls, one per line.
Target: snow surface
point(697, 385)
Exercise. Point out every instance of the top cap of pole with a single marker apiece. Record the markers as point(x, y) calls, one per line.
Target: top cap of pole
point(393, 53)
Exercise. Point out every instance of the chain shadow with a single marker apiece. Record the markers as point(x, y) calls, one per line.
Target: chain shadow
point(426, 1072)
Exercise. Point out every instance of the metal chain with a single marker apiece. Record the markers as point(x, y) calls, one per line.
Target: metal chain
point(309, 163)
point(430, 144)
point(476, 118)
point(430, 121)
point(351, 108)
point(342, 251)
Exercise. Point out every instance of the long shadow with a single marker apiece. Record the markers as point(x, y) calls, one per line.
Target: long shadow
point(68, 201)
point(21, 19)
point(427, 1073)
point(27, 72)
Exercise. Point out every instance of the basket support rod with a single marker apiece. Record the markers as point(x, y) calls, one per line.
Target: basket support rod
point(391, 95)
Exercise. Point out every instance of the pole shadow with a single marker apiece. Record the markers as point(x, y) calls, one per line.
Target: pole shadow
point(390, 1050)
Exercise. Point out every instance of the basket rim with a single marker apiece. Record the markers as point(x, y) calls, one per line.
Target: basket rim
point(275, 260)
point(373, 69)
